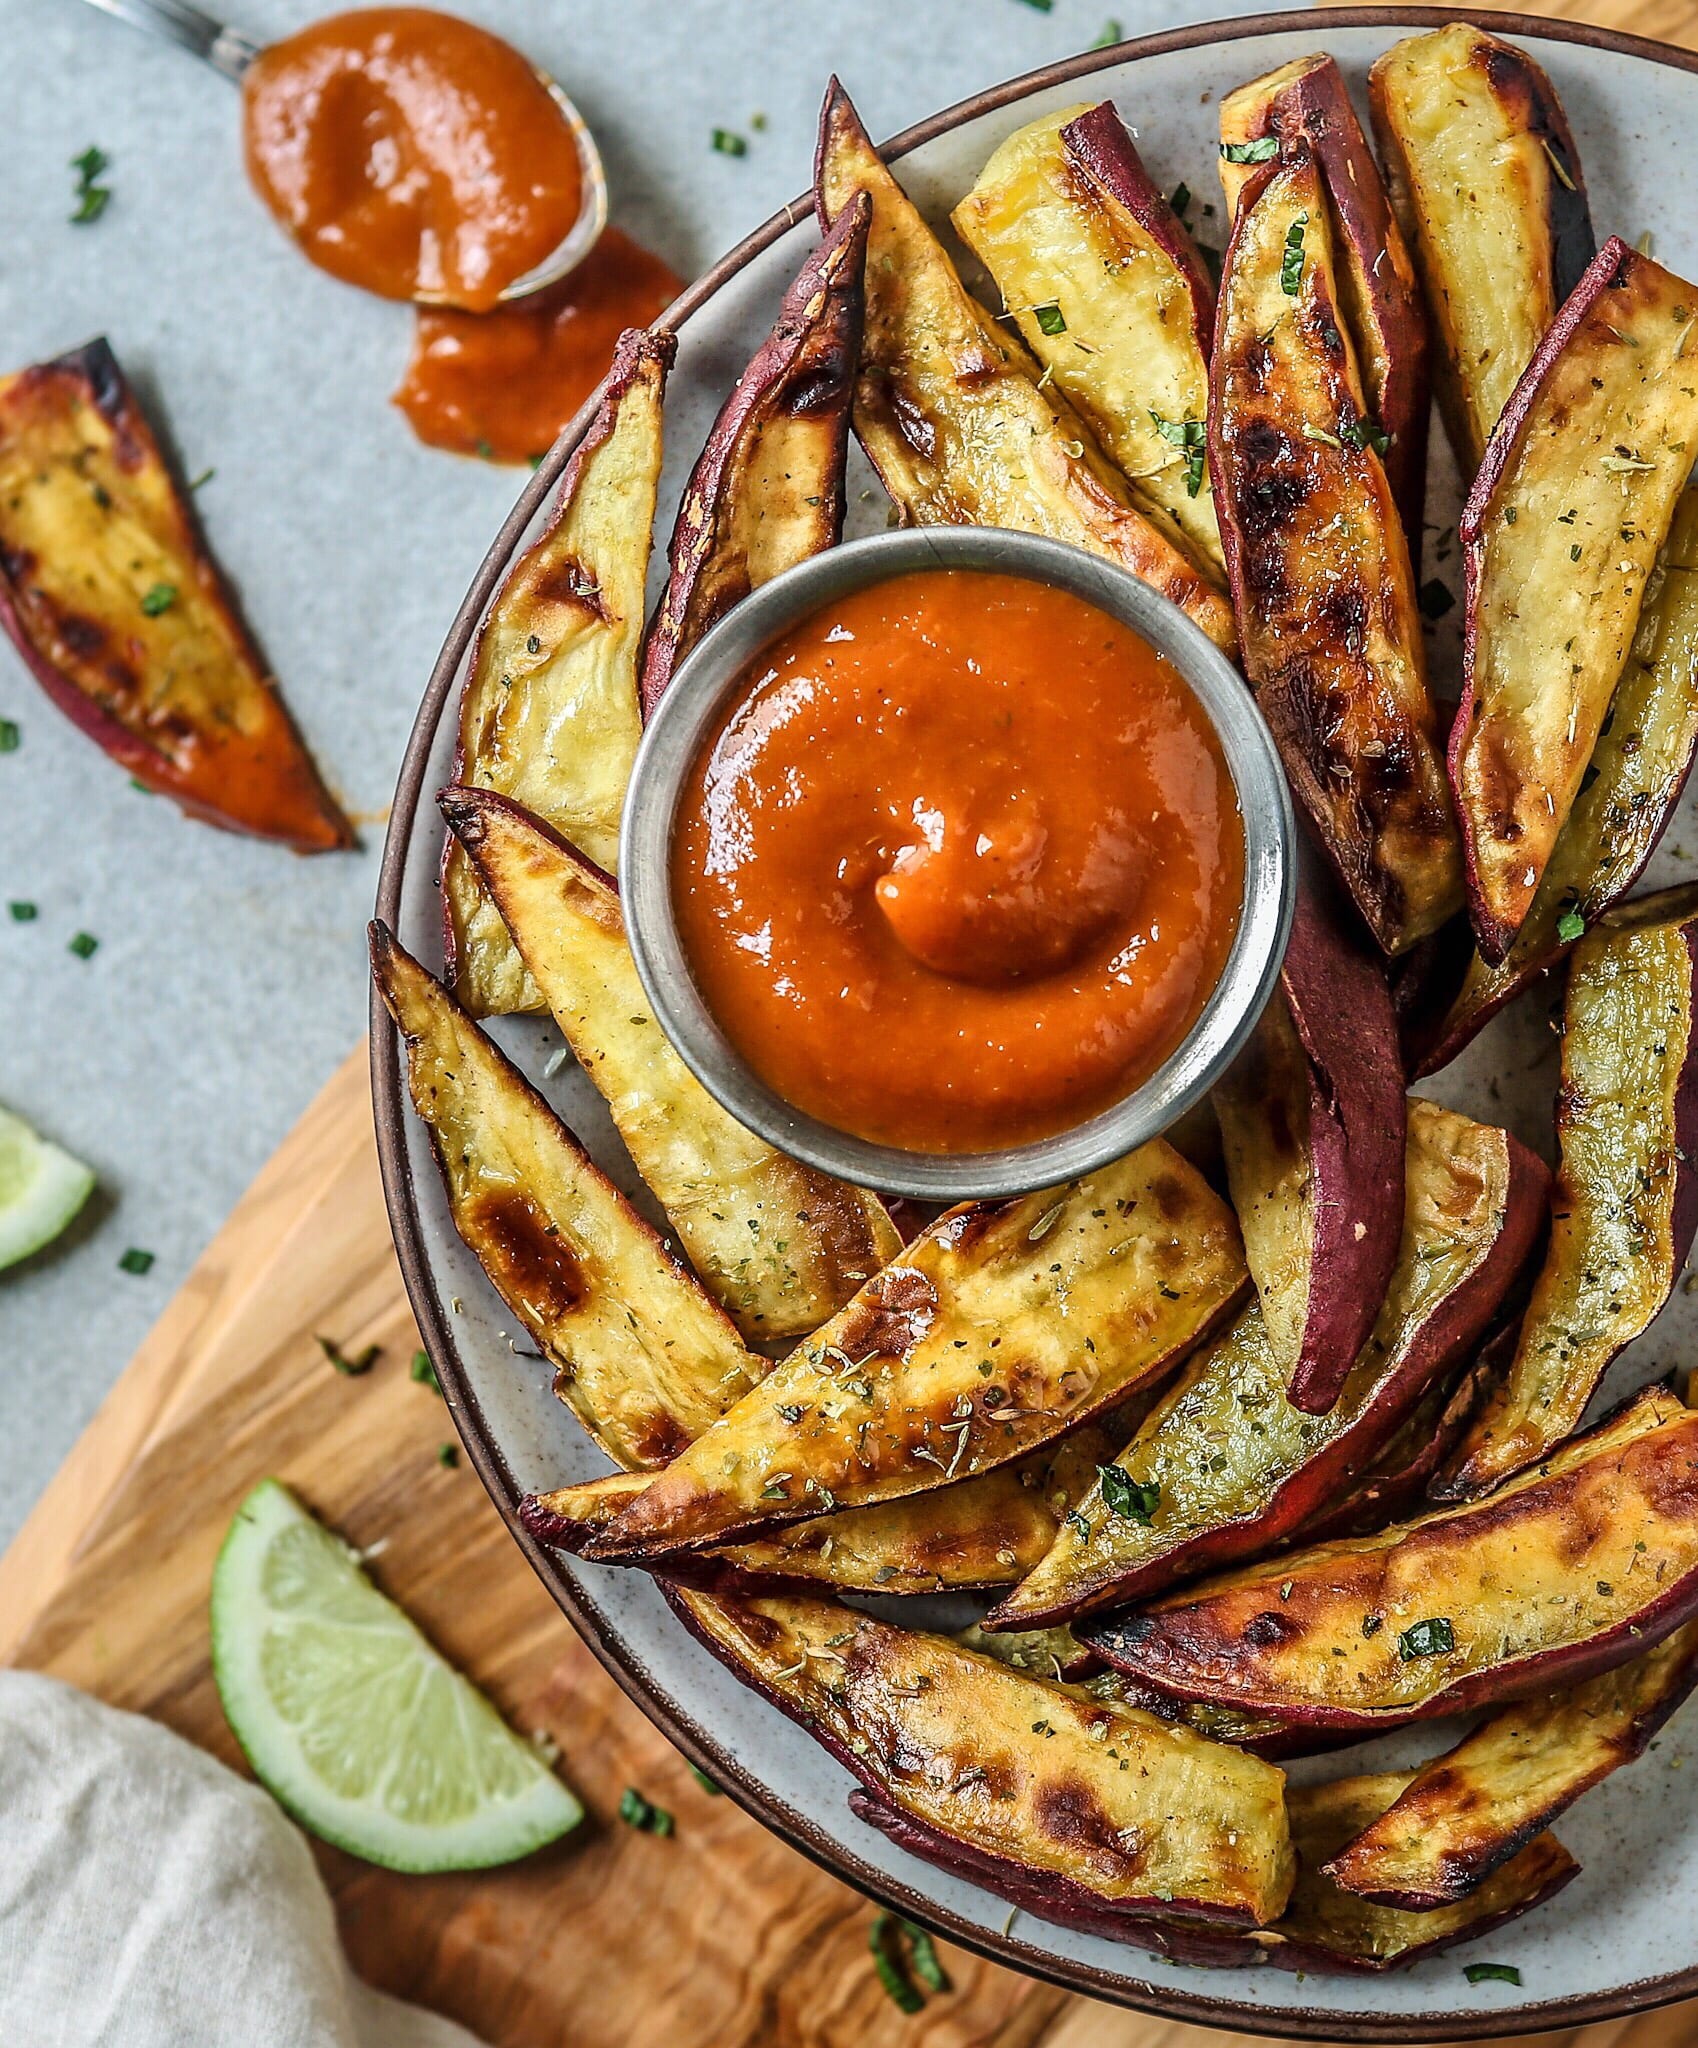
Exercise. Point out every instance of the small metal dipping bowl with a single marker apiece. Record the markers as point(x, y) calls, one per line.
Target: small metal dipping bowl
point(718, 668)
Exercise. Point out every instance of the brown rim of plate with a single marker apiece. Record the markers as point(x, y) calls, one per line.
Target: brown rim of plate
point(391, 1109)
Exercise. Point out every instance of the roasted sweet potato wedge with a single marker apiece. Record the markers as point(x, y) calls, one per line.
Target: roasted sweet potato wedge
point(1111, 296)
point(641, 1355)
point(109, 594)
point(954, 1360)
point(1486, 181)
point(549, 712)
point(950, 414)
point(1465, 1814)
point(1225, 1465)
point(1078, 1809)
point(1311, 1120)
point(1320, 569)
point(1627, 797)
point(1572, 1568)
point(1625, 1200)
point(767, 488)
point(1560, 535)
point(1305, 106)
point(778, 1245)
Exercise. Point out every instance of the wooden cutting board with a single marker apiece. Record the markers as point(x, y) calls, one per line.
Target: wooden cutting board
point(717, 1937)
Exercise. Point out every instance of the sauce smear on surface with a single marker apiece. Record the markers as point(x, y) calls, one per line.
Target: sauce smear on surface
point(961, 866)
point(503, 384)
point(411, 153)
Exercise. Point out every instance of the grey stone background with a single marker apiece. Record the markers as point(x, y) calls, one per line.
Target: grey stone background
point(230, 978)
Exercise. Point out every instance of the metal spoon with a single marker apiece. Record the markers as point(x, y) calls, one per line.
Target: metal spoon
point(229, 52)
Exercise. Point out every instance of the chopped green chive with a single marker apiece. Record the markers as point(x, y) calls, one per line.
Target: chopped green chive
point(349, 1368)
point(701, 1777)
point(1040, 6)
point(135, 1261)
point(1435, 600)
point(1050, 319)
point(1261, 151)
point(1570, 926)
point(639, 1813)
point(1364, 434)
point(758, 123)
point(84, 944)
point(91, 196)
point(23, 913)
point(729, 143)
point(1134, 1499)
point(159, 599)
point(1291, 263)
point(1113, 32)
point(927, 1967)
point(1190, 438)
point(1491, 1973)
point(448, 1455)
point(1430, 1638)
point(11, 739)
point(424, 1372)
point(485, 451)
point(205, 477)
point(1180, 200)
point(885, 1941)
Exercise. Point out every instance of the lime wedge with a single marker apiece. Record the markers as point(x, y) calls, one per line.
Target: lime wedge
point(351, 1720)
point(41, 1189)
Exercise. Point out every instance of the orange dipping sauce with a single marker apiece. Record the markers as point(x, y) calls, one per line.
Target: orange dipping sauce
point(411, 153)
point(962, 865)
point(503, 384)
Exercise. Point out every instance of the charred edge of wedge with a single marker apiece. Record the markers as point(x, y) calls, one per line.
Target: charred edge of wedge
point(1631, 790)
point(1653, 1439)
point(1342, 1012)
point(1082, 500)
point(1262, 1735)
point(1099, 146)
point(1283, 1501)
point(1487, 777)
point(1453, 1826)
point(1063, 1900)
point(1528, 103)
point(803, 375)
point(641, 354)
point(1537, 1405)
point(1343, 683)
point(301, 814)
point(1306, 104)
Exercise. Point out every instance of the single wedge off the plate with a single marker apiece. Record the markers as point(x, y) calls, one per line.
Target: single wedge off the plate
point(41, 1189)
point(351, 1720)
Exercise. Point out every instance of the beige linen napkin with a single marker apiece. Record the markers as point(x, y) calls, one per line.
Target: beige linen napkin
point(149, 1898)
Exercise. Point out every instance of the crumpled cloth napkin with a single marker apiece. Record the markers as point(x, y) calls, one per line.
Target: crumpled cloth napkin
point(150, 1898)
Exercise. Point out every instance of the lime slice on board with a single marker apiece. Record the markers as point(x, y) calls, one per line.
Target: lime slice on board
point(351, 1720)
point(41, 1189)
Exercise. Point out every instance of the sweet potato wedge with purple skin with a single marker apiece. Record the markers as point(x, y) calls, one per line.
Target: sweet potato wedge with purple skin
point(549, 713)
point(642, 1357)
point(1306, 105)
point(950, 414)
point(1560, 536)
point(1322, 1930)
point(1571, 1568)
point(1624, 1203)
point(1627, 796)
point(1018, 1782)
point(1486, 181)
point(1320, 570)
point(1465, 1814)
point(1311, 1119)
point(110, 596)
point(780, 1246)
point(767, 488)
point(1111, 296)
point(954, 1361)
point(1225, 1465)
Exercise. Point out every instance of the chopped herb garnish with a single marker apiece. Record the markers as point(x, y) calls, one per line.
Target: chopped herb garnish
point(424, 1372)
point(135, 1261)
point(1050, 318)
point(23, 913)
point(701, 1777)
point(1291, 263)
point(1574, 551)
point(1435, 600)
point(350, 1368)
point(84, 944)
point(1372, 1624)
point(10, 737)
point(728, 143)
point(926, 1965)
point(1261, 151)
point(758, 123)
point(1491, 1973)
point(1112, 32)
point(1181, 199)
point(205, 477)
point(1135, 1499)
point(1190, 438)
point(1571, 925)
point(448, 1455)
point(160, 598)
point(92, 196)
point(1430, 1638)
point(1364, 434)
point(485, 451)
point(885, 1942)
point(639, 1813)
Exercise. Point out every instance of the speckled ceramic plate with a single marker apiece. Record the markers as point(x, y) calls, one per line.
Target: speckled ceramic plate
point(1623, 1936)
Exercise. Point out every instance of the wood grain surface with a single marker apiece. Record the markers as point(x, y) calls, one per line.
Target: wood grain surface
point(717, 1937)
